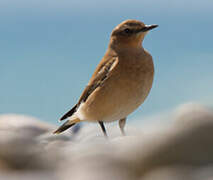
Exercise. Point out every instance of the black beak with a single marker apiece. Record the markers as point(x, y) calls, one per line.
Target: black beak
point(149, 27)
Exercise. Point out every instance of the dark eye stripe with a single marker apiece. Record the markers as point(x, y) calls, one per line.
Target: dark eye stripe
point(131, 31)
point(127, 30)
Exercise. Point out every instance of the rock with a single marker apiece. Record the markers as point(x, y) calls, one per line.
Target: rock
point(23, 125)
point(186, 143)
point(181, 150)
point(20, 151)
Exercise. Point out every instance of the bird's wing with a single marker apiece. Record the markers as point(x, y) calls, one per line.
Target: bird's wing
point(69, 113)
point(100, 75)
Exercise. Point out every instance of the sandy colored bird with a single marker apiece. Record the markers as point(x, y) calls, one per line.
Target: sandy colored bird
point(121, 81)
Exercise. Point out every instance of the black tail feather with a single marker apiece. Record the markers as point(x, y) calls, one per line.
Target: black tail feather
point(69, 113)
point(64, 127)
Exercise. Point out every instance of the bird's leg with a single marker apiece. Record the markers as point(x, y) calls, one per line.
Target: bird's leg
point(122, 123)
point(103, 128)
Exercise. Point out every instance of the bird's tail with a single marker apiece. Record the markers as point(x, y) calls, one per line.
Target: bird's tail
point(69, 123)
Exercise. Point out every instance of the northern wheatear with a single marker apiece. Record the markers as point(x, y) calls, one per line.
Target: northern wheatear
point(121, 81)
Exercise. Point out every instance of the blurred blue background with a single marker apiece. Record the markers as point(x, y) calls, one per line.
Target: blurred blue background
point(50, 48)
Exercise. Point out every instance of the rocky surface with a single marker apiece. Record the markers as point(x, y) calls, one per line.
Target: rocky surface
point(182, 149)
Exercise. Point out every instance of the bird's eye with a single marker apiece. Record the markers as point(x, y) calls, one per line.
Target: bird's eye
point(127, 30)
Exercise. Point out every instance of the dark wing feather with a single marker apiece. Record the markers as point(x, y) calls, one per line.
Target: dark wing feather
point(97, 79)
point(69, 113)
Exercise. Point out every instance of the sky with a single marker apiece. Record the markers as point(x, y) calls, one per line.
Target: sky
point(50, 48)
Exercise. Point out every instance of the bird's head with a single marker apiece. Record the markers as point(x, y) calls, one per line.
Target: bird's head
point(130, 33)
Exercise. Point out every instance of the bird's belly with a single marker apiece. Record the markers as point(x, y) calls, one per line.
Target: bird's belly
point(126, 101)
point(116, 100)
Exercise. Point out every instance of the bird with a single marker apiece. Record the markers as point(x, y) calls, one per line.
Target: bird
point(121, 81)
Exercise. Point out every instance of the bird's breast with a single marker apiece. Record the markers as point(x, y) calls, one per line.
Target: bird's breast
point(137, 80)
point(121, 93)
